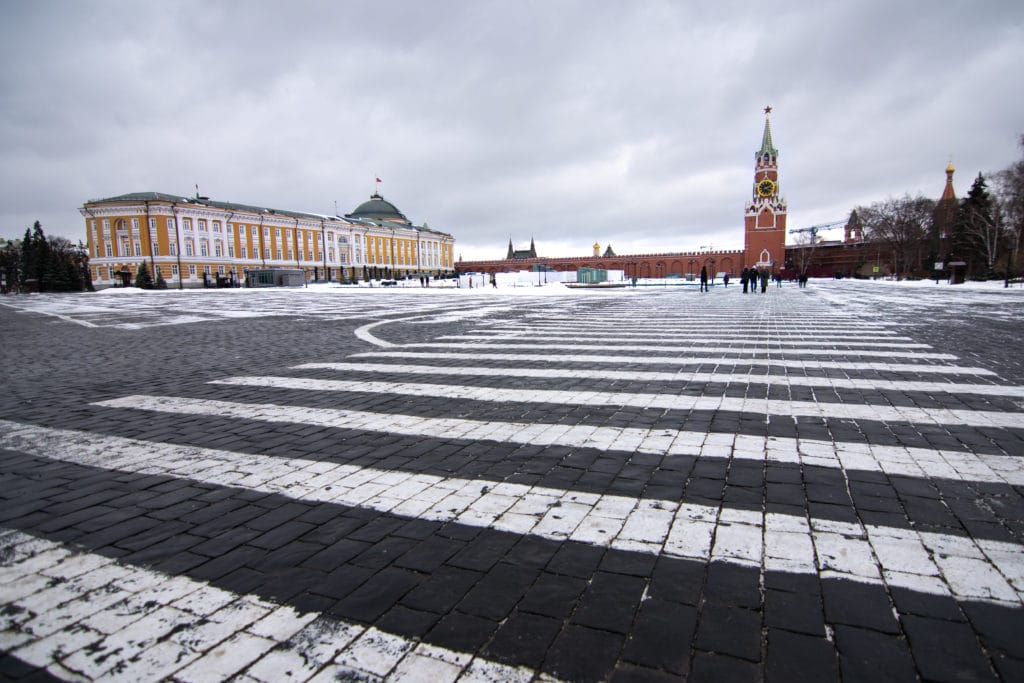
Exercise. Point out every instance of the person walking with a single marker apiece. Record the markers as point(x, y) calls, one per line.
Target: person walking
point(744, 278)
point(703, 278)
point(753, 279)
point(725, 279)
point(764, 280)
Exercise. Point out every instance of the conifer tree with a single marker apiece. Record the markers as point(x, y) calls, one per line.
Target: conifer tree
point(142, 278)
point(979, 228)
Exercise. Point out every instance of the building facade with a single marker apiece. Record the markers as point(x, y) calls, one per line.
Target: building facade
point(196, 241)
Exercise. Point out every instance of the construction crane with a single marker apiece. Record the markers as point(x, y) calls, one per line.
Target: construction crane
point(813, 229)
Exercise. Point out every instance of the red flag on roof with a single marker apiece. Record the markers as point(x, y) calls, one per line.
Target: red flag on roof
point(379, 180)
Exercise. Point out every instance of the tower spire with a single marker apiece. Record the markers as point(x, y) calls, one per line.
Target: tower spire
point(766, 138)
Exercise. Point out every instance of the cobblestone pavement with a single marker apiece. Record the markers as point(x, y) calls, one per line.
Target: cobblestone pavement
point(810, 484)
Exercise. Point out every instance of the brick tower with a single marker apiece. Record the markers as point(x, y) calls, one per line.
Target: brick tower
point(764, 225)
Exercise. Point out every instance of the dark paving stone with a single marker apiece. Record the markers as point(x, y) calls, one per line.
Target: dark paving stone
point(1000, 628)
point(498, 591)
point(661, 636)
point(945, 650)
point(793, 657)
point(857, 604)
point(410, 622)
point(610, 602)
point(732, 584)
point(523, 639)
point(553, 595)
point(730, 630)
point(713, 667)
point(866, 655)
point(797, 612)
point(462, 632)
point(677, 580)
point(580, 653)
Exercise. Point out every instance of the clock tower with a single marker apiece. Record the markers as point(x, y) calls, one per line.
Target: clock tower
point(764, 224)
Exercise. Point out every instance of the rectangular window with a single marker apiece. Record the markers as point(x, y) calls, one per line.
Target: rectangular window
point(204, 248)
point(156, 248)
point(289, 253)
point(174, 269)
point(172, 249)
point(278, 254)
point(152, 224)
point(109, 250)
point(138, 249)
point(266, 252)
point(192, 270)
point(216, 226)
point(245, 253)
point(266, 232)
point(170, 226)
point(231, 251)
point(255, 232)
point(135, 225)
point(220, 269)
point(330, 254)
point(189, 249)
point(186, 223)
point(277, 234)
point(202, 224)
point(206, 269)
point(218, 250)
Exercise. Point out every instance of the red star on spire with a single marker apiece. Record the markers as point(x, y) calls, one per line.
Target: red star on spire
point(768, 110)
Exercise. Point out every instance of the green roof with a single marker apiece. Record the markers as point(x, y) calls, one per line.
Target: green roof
point(766, 140)
point(136, 197)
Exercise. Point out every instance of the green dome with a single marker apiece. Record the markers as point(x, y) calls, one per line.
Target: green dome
point(380, 209)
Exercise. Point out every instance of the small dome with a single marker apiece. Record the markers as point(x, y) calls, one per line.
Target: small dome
point(950, 168)
point(378, 208)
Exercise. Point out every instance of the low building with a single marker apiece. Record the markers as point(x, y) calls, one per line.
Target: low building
point(191, 241)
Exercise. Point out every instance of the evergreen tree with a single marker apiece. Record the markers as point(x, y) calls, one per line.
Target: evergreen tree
point(161, 283)
point(27, 261)
point(979, 228)
point(142, 278)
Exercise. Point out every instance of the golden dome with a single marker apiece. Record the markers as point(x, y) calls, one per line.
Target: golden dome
point(950, 168)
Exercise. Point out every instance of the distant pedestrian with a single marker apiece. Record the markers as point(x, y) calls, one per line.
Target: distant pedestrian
point(703, 278)
point(725, 280)
point(744, 278)
point(753, 279)
point(764, 280)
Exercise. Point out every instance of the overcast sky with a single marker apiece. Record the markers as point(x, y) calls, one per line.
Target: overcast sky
point(629, 123)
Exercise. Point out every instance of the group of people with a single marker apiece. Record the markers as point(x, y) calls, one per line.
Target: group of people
point(749, 277)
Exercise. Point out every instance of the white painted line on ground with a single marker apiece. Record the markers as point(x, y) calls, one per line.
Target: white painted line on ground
point(120, 622)
point(678, 377)
point(671, 348)
point(938, 564)
point(759, 406)
point(714, 340)
point(895, 460)
point(678, 360)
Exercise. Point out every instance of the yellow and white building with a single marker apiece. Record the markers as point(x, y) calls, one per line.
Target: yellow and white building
point(192, 240)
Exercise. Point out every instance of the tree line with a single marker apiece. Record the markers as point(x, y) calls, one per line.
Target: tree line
point(984, 230)
point(38, 263)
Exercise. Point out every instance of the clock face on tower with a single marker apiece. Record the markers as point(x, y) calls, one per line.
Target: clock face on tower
point(766, 188)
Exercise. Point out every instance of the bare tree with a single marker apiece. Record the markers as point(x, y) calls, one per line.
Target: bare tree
point(901, 226)
point(806, 243)
point(1009, 198)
